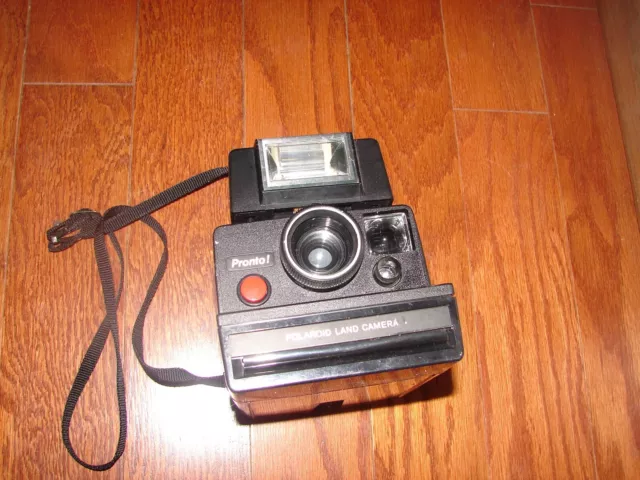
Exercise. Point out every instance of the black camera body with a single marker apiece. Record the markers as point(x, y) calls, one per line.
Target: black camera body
point(322, 287)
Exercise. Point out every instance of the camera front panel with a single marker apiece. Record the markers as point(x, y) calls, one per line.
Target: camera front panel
point(248, 249)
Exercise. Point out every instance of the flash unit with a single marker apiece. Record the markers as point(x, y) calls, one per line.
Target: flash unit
point(307, 161)
point(278, 175)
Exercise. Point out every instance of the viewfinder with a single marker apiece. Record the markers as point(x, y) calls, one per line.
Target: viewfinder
point(388, 233)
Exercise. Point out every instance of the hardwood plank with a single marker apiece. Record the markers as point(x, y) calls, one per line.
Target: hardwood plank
point(524, 303)
point(621, 25)
point(492, 55)
point(294, 88)
point(73, 152)
point(188, 115)
point(13, 23)
point(440, 433)
point(602, 225)
point(75, 41)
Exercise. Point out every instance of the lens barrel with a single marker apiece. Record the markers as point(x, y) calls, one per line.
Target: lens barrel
point(322, 248)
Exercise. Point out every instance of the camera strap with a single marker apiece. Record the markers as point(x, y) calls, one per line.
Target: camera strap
point(88, 224)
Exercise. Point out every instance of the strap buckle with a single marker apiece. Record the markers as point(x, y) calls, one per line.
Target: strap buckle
point(80, 225)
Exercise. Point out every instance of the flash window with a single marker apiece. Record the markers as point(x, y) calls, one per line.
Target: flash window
point(307, 161)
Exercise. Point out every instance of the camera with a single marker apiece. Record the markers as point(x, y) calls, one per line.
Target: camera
point(322, 288)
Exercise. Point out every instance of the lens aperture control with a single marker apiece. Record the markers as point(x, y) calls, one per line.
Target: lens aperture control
point(322, 248)
point(387, 271)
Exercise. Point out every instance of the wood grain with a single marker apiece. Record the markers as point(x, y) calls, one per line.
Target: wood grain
point(621, 26)
point(401, 97)
point(73, 152)
point(13, 22)
point(528, 339)
point(294, 88)
point(188, 115)
point(492, 55)
point(602, 228)
point(77, 41)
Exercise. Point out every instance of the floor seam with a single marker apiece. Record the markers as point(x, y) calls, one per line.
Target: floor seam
point(567, 245)
point(571, 7)
point(81, 84)
point(244, 81)
point(466, 236)
point(129, 199)
point(12, 183)
point(346, 29)
point(492, 110)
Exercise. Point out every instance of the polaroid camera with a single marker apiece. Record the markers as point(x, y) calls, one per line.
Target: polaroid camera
point(323, 292)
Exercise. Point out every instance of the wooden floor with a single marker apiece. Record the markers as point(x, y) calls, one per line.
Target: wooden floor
point(621, 26)
point(498, 123)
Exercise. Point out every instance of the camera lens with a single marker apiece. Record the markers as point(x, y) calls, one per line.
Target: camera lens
point(320, 244)
point(322, 248)
point(320, 258)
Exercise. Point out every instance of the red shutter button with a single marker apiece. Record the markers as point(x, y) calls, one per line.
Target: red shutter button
point(253, 290)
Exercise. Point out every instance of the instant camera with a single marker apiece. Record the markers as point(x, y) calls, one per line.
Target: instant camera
point(323, 292)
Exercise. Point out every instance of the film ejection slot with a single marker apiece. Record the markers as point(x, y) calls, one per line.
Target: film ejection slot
point(354, 339)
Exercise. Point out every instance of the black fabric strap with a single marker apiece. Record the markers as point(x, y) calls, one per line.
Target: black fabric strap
point(85, 224)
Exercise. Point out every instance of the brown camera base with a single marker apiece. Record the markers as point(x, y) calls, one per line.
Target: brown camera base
point(362, 389)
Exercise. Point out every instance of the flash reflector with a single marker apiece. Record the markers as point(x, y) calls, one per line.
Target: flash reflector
point(307, 161)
